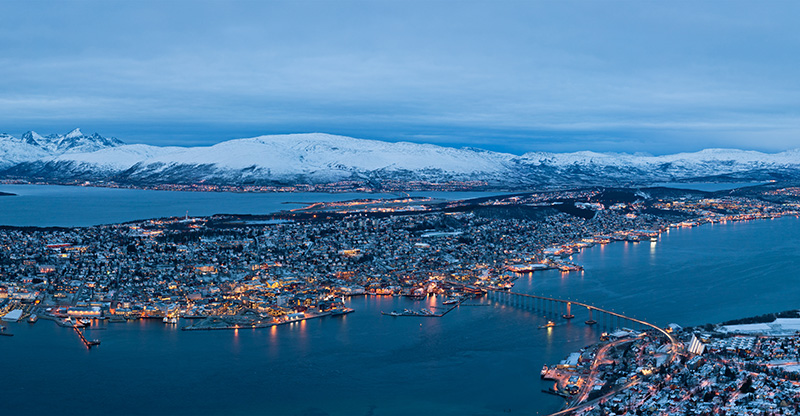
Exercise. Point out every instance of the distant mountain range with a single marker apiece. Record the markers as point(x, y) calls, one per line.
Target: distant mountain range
point(322, 158)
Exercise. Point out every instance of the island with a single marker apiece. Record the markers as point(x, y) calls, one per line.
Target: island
point(233, 271)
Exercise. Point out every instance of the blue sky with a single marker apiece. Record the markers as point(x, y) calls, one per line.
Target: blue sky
point(638, 76)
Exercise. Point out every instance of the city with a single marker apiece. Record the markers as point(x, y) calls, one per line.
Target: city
point(230, 272)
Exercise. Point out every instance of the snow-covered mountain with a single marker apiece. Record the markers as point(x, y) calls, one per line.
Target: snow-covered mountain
point(33, 146)
point(322, 158)
point(72, 142)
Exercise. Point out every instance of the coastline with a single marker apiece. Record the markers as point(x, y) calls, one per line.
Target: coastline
point(288, 337)
point(736, 353)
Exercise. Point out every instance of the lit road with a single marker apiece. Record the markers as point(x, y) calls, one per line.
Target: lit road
point(675, 347)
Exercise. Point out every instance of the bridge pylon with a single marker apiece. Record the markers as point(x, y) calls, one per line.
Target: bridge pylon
point(590, 321)
point(569, 314)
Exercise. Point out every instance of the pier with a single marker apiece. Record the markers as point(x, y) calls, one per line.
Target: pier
point(89, 343)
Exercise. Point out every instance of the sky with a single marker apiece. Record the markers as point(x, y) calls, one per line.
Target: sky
point(512, 76)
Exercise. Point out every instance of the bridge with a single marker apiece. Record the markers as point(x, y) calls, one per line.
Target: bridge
point(554, 306)
point(563, 307)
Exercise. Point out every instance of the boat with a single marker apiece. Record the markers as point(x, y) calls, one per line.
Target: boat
point(544, 371)
point(93, 342)
point(341, 311)
point(85, 322)
point(653, 239)
point(549, 324)
point(590, 322)
point(33, 318)
point(450, 301)
point(170, 320)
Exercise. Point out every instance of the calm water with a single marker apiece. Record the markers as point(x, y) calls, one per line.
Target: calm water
point(76, 206)
point(477, 360)
point(691, 276)
point(708, 186)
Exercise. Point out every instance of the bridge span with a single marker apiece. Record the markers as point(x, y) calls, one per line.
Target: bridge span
point(563, 307)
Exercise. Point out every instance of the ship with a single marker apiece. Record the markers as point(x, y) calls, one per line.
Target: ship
point(450, 301)
point(341, 311)
point(85, 322)
point(549, 324)
point(33, 318)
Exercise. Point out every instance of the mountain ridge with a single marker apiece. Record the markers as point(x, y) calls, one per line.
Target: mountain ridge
point(318, 158)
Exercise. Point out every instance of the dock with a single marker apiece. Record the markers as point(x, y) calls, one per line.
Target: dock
point(89, 343)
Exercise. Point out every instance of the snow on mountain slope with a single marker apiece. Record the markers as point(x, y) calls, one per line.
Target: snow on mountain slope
point(310, 152)
point(321, 158)
point(117, 158)
point(13, 151)
point(72, 142)
point(301, 154)
point(790, 157)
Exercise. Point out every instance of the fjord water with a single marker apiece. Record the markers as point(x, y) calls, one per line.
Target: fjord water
point(476, 360)
point(707, 274)
point(78, 206)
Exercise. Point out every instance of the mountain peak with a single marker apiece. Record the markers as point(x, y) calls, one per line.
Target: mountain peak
point(73, 142)
point(324, 158)
point(74, 133)
point(33, 138)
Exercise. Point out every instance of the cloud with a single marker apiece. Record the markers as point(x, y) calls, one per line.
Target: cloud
point(515, 76)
